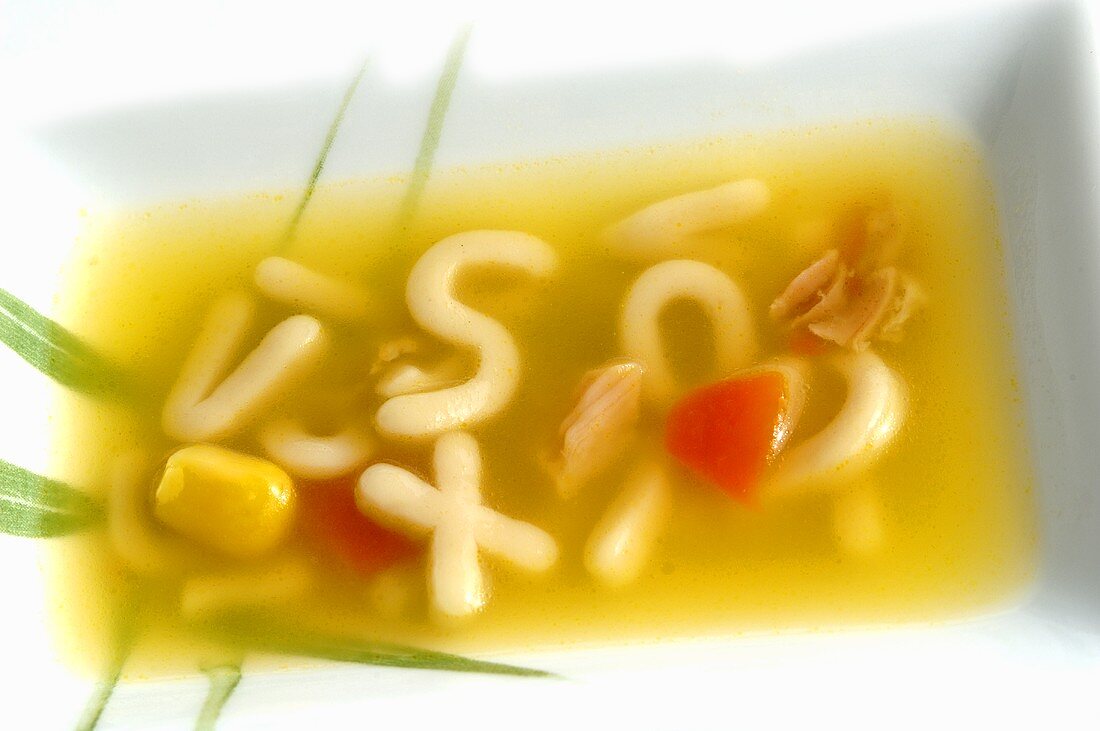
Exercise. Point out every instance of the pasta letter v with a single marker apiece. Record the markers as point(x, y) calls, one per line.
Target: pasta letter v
point(199, 408)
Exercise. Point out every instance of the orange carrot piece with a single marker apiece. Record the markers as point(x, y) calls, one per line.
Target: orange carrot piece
point(331, 520)
point(728, 432)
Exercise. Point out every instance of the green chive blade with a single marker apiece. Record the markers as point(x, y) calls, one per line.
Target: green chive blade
point(97, 704)
point(125, 634)
point(409, 657)
point(223, 681)
point(34, 506)
point(264, 633)
point(322, 157)
point(55, 351)
point(433, 129)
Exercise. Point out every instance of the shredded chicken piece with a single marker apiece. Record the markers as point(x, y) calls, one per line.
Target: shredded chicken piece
point(853, 295)
point(600, 426)
point(819, 292)
point(809, 286)
point(833, 300)
point(905, 304)
point(855, 324)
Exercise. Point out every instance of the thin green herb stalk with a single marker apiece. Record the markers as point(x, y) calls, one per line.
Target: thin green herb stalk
point(223, 681)
point(55, 351)
point(255, 632)
point(93, 710)
point(319, 166)
point(125, 635)
point(433, 130)
point(37, 507)
point(349, 651)
point(395, 656)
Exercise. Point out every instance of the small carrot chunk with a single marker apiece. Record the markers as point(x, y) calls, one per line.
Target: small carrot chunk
point(331, 519)
point(728, 432)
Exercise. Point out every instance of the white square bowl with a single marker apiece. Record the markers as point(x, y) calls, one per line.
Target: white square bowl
point(1021, 78)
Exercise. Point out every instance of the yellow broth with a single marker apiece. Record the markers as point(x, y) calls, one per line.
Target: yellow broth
point(954, 486)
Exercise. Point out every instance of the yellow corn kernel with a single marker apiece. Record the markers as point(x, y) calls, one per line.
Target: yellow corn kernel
point(236, 504)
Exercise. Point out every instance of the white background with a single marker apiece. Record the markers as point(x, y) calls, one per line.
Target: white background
point(66, 59)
